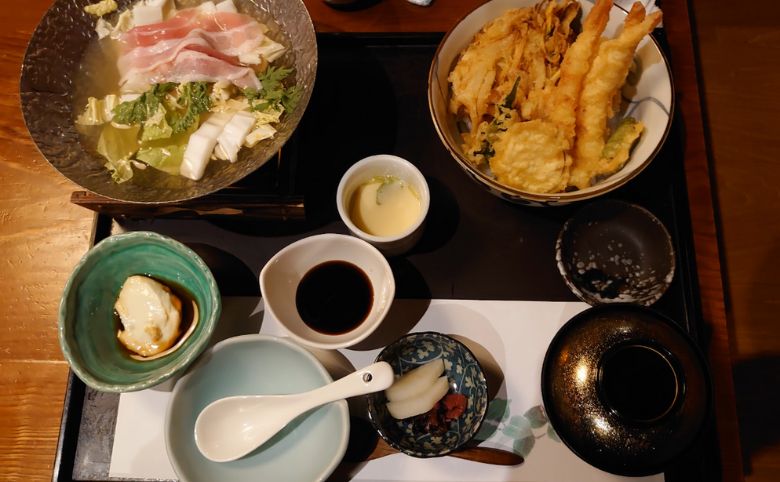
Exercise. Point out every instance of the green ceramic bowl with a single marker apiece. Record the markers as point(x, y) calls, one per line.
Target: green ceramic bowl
point(87, 327)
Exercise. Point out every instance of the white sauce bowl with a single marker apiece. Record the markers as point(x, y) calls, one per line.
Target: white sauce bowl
point(280, 277)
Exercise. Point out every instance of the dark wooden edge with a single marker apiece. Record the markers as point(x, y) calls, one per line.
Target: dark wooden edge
point(226, 203)
point(75, 391)
point(679, 31)
point(698, 244)
point(69, 430)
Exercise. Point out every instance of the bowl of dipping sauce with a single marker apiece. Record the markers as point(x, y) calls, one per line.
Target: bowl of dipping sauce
point(384, 199)
point(328, 291)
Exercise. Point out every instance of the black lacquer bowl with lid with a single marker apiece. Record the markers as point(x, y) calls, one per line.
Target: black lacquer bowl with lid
point(625, 388)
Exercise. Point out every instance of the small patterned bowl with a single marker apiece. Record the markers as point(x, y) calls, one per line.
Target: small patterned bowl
point(87, 328)
point(465, 376)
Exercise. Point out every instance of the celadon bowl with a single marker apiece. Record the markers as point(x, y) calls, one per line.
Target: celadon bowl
point(308, 449)
point(87, 327)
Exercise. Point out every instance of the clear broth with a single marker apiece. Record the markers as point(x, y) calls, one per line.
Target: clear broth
point(98, 76)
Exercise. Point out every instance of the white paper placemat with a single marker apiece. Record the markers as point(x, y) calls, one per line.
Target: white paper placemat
point(509, 337)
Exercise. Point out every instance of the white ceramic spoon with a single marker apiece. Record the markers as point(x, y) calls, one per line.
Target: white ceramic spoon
point(229, 428)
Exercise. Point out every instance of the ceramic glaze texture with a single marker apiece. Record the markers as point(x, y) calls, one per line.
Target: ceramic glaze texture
point(648, 97)
point(87, 328)
point(46, 88)
point(611, 251)
point(280, 279)
point(308, 449)
point(383, 165)
point(465, 377)
point(585, 419)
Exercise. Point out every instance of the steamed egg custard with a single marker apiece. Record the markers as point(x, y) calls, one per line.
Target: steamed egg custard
point(384, 206)
point(151, 316)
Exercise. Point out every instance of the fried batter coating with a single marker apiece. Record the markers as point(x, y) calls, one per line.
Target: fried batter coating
point(618, 147)
point(536, 98)
point(563, 100)
point(488, 56)
point(530, 156)
point(518, 53)
point(576, 63)
point(602, 83)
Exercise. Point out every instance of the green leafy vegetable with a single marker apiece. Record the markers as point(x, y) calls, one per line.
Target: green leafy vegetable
point(510, 99)
point(117, 145)
point(98, 111)
point(137, 111)
point(166, 154)
point(167, 159)
point(273, 94)
point(163, 118)
point(156, 127)
point(193, 100)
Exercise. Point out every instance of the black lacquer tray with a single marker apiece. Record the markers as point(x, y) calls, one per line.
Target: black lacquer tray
point(370, 97)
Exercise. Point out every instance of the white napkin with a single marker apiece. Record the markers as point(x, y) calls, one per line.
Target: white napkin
point(514, 334)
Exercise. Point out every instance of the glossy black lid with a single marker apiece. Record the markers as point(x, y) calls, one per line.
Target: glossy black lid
point(595, 428)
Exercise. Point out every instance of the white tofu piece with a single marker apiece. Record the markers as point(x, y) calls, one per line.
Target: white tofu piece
point(201, 145)
point(233, 135)
point(226, 6)
point(208, 7)
point(150, 315)
point(144, 14)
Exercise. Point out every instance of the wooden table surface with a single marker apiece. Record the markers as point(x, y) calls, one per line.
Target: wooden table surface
point(42, 235)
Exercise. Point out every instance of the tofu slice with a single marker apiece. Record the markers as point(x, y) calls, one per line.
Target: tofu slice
point(201, 145)
point(233, 135)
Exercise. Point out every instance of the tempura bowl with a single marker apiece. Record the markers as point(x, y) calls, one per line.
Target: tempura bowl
point(47, 92)
point(649, 93)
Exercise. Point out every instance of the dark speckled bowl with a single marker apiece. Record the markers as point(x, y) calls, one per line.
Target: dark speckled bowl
point(465, 376)
point(54, 57)
point(612, 251)
point(625, 388)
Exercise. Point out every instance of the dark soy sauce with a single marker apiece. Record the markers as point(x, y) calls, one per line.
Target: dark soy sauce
point(639, 383)
point(334, 297)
